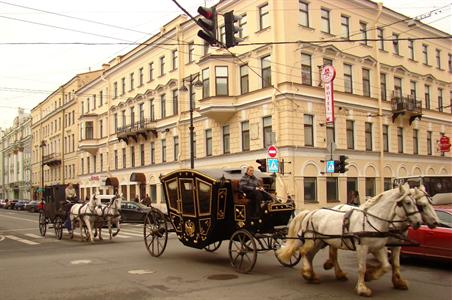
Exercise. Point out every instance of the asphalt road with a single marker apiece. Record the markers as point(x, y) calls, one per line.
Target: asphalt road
point(32, 267)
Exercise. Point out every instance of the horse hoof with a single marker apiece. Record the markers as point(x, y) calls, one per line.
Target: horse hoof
point(366, 292)
point(400, 285)
point(341, 277)
point(328, 265)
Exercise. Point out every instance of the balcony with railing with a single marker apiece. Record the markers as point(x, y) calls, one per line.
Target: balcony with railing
point(52, 159)
point(219, 108)
point(145, 128)
point(407, 107)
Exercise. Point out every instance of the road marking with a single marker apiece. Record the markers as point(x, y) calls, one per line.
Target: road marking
point(80, 262)
point(140, 272)
point(12, 237)
point(34, 221)
point(35, 236)
point(2, 238)
point(123, 236)
point(131, 233)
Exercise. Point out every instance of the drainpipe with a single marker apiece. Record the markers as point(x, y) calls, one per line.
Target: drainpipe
point(380, 109)
point(107, 103)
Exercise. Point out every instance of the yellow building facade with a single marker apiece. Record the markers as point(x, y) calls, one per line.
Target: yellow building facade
point(392, 101)
point(55, 135)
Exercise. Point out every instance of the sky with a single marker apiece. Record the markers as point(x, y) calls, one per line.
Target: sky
point(30, 72)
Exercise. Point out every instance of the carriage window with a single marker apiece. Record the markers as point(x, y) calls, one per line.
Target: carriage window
point(204, 197)
point(187, 196)
point(171, 189)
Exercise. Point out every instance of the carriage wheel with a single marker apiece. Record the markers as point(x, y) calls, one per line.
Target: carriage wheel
point(42, 224)
point(155, 232)
point(294, 259)
point(242, 251)
point(58, 226)
point(213, 247)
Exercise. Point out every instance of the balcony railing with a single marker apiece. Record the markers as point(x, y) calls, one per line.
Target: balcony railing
point(51, 159)
point(408, 106)
point(142, 127)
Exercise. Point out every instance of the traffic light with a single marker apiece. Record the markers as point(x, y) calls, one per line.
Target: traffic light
point(337, 166)
point(343, 163)
point(208, 24)
point(262, 164)
point(231, 29)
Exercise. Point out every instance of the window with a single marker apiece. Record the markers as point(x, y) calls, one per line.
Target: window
point(304, 13)
point(83, 108)
point(385, 138)
point(141, 111)
point(162, 65)
point(267, 129)
point(264, 18)
point(438, 58)
point(381, 42)
point(440, 100)
point(366, 82)
point(164, 150)
point(124, 163)
point(115, 90)
point(370, 186)
point(162, 106)
point(176, 148)
point(266, 71)
point(82, 164)
point(325, 20)
point(174, 60)
point(398, 87)
point(400, 139)
point(123, 86)
point(89, 130)
point(244, 79)
point(395, 43)
point(205, 83)
point(350, 128)
point(383, 87)
point(142, 154)
point(449, 62)
point(226, 137)
point(151, 71)
point(411, 49)
point(387, 183)
point(368, 131)
point(415, 141)
point(152, 109)
point(101, 128)
point(308, 130)
point(413, 89)
point(348, 79)
point(152, 153)
point(132, 81)
point(175, 102)
point(243, 31)
point(223, 34)
point(330, 135)
point(327, 62)
point(94, 102)
point(345, 27)
point(221, 81)
point(331, 189)
point(209, 142)
point(306, 69)
point(427, 96)
point(363, 31)
point(429, 143)
point(132, 156)
point(245, 136)
point(425, 54)
point(191, 52)
point(310, 189)
point(141, 78)
point(132, 116)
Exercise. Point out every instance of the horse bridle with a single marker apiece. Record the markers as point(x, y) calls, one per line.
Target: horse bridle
point(408, 214)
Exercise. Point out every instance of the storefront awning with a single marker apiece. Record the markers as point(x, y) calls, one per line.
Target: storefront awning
point(113, 181)
point(138, 177)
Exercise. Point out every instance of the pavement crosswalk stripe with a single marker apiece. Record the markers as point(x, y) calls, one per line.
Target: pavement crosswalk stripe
point(123, 236)
point(35, 236)
point(130, 233)
point(15, 238)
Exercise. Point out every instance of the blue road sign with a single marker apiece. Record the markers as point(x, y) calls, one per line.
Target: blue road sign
point(330, 166)
point(272, 165)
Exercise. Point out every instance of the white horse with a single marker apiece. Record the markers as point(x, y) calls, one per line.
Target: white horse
point(429, 217)
point(110, 214)
point(84, 214)
point(363, 230)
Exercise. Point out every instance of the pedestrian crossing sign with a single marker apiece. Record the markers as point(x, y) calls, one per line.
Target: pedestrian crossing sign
point(330, 166)
point(272, 165)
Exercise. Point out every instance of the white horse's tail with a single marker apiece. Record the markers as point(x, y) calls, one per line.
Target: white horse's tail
point(293, 242)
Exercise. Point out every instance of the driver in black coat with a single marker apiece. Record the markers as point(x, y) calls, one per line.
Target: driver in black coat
point(251, 186)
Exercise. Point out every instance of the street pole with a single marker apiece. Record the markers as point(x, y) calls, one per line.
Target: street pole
point(191, 128)
point(42, 169)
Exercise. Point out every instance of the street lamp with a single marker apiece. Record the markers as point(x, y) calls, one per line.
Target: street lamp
point(193, 79)
point(43, 144)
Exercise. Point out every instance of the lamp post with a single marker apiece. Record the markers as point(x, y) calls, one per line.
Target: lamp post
point(191, 81)
point(43, 144)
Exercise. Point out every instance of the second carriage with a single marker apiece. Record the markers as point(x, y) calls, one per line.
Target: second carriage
point(206, 207)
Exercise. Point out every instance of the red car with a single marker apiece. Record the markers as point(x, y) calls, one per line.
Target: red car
point(434, 243)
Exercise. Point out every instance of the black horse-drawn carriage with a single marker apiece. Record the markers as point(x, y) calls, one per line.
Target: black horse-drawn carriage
point(207, 207)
